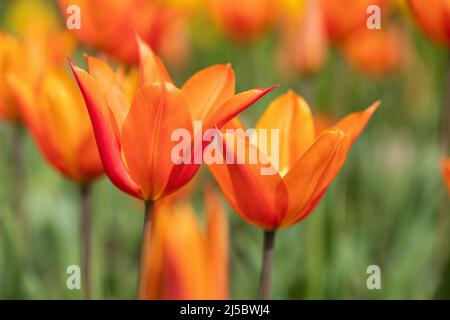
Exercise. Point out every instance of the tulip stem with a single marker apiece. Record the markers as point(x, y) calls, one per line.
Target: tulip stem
point(18, 177)
point(265, 287)
point(446, 108)
point(145, 242)
point(86, 235)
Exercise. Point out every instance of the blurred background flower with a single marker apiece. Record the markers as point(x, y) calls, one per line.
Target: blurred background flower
point(113, 30)
point(186, 260)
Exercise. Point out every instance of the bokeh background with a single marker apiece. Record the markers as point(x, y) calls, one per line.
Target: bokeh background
point(388, 206)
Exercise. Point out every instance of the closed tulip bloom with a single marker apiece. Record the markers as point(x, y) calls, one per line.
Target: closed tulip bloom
point(57, 118)
point(243, 20)
point(308, 163)
point(110, 27)
point(433, 18)
point(445, 166)
point(54, 112)
point(134, 136)
point(374, 52)
point(184, 261)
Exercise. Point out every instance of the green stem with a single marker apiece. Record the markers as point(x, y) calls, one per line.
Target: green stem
point(86, 236)
point(265, 288)
point(145, 242)
point(18, 177)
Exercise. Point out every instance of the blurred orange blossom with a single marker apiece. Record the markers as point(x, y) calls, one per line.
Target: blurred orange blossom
point(27, 55)
point(342, 17)
point(304, 41)
point(110, 25)
point(434, 18)
point(243, 20)
point(374, 52)
point(183, 261)
point(56, 115)
point(134, 135)
point(308, 164)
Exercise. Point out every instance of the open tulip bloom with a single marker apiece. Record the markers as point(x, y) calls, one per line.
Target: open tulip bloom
point(308, 163)
point(134, 132)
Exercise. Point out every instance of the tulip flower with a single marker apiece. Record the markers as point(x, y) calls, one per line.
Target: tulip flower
point(374, 52)
point(36, 43)
point(243, 20)
point(445, 166)
point(433, 17)
point(134, 136)
point(56, 116)
point(342, 17)
point(183, 261)
point(304, 41)
point(110, 26)
point(308, 163)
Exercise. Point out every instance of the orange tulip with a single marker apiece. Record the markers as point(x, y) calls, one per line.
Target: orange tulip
point(56, 115)
point(304, 42)
point(110, 26)
point(434, 18)
point(343, 17)
point(445, 166)
point(374, 51)
point(28, 57)
point(134, 136)
point(307, 164)
point(183, 261)
point(243, 20)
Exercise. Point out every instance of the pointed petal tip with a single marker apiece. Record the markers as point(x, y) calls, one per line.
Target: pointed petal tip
point(71, 64)
point(267, 90)
point(374, 106)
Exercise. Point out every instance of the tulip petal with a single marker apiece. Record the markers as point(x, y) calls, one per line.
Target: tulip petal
point(321, 164)
point(352, 126)
point(157, 110)
point(354, 123)
point(217, 243)
point(259, 198)
point(304, 178)
point(107, 142)
point(432, 18)
point(234, 106)
point(209, 89)
point(151, 67)
point(291, 115)
point(110, 84)
point(25, 100)
point(186, 271)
